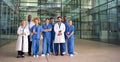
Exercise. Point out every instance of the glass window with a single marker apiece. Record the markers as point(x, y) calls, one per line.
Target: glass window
point(102, 1)
point(112, 4)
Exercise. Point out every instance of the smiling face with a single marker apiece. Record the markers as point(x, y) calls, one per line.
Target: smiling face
point(29, 17)
point(59, 19)
point(70, 22)
point(47, 21)
point(37, 21)
point(23, 23)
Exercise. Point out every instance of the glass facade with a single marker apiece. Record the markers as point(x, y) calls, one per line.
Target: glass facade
point(93, 19)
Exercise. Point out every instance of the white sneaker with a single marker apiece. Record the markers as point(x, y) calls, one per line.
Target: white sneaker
point(64, 53)
point(48, 54)
point(43, 55)
point(71, 55)
point(33, 55)
point(37, 55)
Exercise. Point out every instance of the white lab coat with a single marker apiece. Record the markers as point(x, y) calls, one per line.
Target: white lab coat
point(59, 39)
point(19, 40)
point(30, 26)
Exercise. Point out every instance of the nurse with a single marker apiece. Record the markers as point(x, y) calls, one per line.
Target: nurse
point(59, 29)
point(52, 34)
point(70, 37)
point(36, 33)
point(22, 41)
point(47, 28)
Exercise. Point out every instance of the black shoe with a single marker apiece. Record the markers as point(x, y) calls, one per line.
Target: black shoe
point(22, 56)
point(62, 54)
point(18, 56)
point(56, 54)
point(29, 54)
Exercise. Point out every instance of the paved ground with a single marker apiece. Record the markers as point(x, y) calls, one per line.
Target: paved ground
point(85, 51)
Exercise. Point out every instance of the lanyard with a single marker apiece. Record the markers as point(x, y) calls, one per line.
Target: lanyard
point(59, 25)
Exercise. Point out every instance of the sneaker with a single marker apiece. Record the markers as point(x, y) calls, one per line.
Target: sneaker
point(19, 56)
point(43, 55)
point(33, 55)
point(63, 53)
point(56, 54)
point(71, 55)
point(37, 55)
point(23, 56)
point(48, 54)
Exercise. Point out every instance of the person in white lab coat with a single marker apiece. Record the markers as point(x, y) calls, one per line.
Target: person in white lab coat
point(59, 29)
point(30, 24)
point(22, 41)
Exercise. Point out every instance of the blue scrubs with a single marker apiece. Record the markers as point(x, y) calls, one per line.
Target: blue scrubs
point(66, 26)
point(36, 39)
point(46, 39)
point(70, 41)
point(52, 38)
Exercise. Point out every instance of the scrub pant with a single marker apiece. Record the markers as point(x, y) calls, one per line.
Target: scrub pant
point(62, 48)
point(36, 46)
point(51, 45)
point(46, 45)
point(70, 45)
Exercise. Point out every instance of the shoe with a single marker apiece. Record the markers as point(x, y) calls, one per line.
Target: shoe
point(62, 54)
point(23, 56)
point(43, 55)
point(71, 55)
point(34, 56)
point(37, 55)
point(29, 54)
point(48, 54)
point(56, 54)
point(18, 56)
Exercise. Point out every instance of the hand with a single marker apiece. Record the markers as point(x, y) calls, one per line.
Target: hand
point(45, 30)
point(23, 33)
point(33, 32)
point(68, 36)
point(59, 33)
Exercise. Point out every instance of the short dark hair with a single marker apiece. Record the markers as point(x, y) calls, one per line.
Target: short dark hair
point(47, 19)
point(59, 17)
point(51, 18)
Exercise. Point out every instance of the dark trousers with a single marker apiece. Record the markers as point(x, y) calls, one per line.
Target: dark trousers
point(29, 45)
point(62, 48)
point(20, 53)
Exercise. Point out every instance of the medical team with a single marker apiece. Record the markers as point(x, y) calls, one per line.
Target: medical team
point(56, 35)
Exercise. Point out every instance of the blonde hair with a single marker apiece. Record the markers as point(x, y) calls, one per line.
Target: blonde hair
point(70, 21)
point(22, 21)
point(36, 19)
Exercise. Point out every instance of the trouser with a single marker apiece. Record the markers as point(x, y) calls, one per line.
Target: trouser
point(51, 46)
point(46, 45)
point(70, 45)
point(35, 46)
point(20, 53)
point(29, 45)
point(62, 48)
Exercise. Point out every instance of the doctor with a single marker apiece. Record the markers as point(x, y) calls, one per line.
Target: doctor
point(47, 28)
point(36, 31)
point(70, 37)
point(59, 29)
point(30, 24)
point(22, 41)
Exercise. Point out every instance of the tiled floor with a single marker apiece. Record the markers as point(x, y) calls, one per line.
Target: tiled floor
point(85, 51)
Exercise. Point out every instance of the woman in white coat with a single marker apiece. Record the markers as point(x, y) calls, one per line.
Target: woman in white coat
point(22, 41)
point(59, 29)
